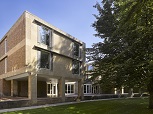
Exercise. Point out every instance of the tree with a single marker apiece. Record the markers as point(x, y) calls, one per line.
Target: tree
point(126, 55)
point(104, 52)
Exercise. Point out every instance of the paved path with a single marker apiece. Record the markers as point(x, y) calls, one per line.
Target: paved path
point(48, 105)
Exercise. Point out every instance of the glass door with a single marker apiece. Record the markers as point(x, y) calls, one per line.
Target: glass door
point(51, 90)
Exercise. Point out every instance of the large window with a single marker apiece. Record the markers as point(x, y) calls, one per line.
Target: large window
point(45, 35)
point(76, 67)
point(45, 59)
point(69, 88)
point(76, 50)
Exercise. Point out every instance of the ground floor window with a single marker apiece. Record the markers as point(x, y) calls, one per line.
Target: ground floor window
point(69, 88)
point(51, 89)
point(95, 89)
point(87, 88)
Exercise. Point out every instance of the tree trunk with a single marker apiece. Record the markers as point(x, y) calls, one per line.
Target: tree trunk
point(151, 100)
point(150, 89)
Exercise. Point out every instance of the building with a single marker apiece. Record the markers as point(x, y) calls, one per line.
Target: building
point(91, 86)
point(39, 60)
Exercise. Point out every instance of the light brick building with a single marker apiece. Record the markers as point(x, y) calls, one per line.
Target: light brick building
point(39, 60)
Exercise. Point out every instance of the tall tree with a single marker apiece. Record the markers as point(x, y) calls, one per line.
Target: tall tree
point(136, 22)
point(126, 55)
point(104, 52)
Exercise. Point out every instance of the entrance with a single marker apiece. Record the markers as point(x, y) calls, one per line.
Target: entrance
point(52, 89)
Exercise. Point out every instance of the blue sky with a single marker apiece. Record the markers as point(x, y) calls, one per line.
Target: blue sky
point(72, 16)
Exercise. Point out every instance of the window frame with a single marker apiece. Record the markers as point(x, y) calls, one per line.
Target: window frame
point(79, 69)
point(87, 88)
point(69, 88)
point(50, 57)
point(50, 35)
point(78, 49)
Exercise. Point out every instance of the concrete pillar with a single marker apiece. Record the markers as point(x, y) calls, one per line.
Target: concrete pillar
point(131, 94)
point(14, 88)
point(32, 88)
point(61, 88)
point(80, 90)
point(122, 90)
point(115, 91)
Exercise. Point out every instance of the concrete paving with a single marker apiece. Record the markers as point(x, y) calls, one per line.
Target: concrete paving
point(48, 105)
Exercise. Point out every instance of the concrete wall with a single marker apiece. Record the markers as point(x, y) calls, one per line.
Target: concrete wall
point(62, 66)
point(62, 45)
point(62, 48)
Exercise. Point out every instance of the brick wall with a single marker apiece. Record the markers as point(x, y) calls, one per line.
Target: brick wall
point(16, 35)
point(6, 87)
point(2, 66)
point(23, 88)
point(1, 87)
point(2, 48)
point(16, 60)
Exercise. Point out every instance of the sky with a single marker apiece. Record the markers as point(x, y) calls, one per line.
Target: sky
point(74, 17)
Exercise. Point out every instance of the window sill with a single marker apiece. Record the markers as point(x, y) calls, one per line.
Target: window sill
point(44, 46)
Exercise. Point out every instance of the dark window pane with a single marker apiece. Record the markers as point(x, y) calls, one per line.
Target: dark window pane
point(72, 88)
point(44, 60)
point(84, 88)
point(48, 88)
point(76, 67)
point(76, 50)
point(44, 35)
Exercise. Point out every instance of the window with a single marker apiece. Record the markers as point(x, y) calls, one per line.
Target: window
point(76, 67)
point(76, 50)
point(45, 59)
point(69, 88)
point(87, 88)
point(95, 89)
point(44, 35)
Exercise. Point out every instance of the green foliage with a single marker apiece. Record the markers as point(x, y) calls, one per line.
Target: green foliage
point(125, 55)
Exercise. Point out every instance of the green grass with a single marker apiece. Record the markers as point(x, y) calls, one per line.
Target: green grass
point(122, 106)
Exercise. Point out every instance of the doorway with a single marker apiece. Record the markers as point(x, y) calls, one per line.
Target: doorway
point(52, 89)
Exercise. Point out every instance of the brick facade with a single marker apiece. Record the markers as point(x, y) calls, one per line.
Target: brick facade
point(6, 88)
point(2, 48)
point(16, 34)
point(2, 66)
point(16, 60)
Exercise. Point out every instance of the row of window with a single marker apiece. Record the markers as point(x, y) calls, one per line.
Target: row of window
point(45, 37)
point(52, 89)
point(45, 60)
point(70, 89)
point(88, 88)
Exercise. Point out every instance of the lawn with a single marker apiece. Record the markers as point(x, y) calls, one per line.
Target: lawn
point(121, 106)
